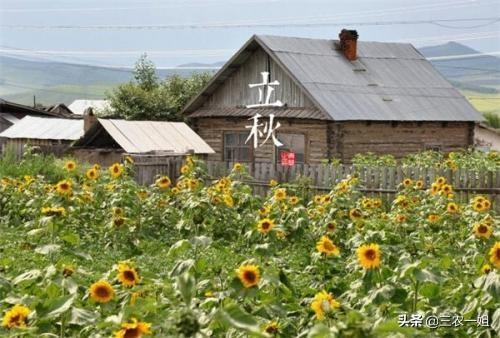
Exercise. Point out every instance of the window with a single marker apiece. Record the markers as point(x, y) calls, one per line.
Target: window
point(295, 143)
point(235, 149)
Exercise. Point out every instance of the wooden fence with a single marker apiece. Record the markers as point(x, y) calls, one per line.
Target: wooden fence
point(374, 181)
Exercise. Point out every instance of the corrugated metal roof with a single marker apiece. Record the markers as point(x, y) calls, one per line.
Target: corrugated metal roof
point(300, 113)
point(388, 81)
point(79, 106)
point(9, 117)
point(43, 128)
point(155, 136)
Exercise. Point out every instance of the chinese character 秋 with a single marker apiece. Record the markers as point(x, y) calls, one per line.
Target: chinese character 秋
point(269, 131)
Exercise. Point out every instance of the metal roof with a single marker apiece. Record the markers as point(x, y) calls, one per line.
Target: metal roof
point(9, 117)
point(155, 136)
point(287, 112)
point(387, 82)
point(79, 106)
point(45, 128)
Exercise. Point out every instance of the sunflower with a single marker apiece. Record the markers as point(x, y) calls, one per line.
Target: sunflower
point(452, 208)
point(355, 214)
point(433, 218)
point(419, 184)
point(70, 166)
point(318, 199)
point(101, 291)
point(129, 160)
point(249, 275)
point(294, 200)
point(369, 256)
point(273, 183)
point(68, 270)
point(142, 194)
point(228, 200)
point(185, 169)
point(326, 198)
point(16, 316)
point(134, 329)
point(92, 174)
point(435, 188)
point(96, 167)
point(483, 230)
point(272, 327)
point(265, 225)
point(486, 269)
point(478, 206)
point(495, 255)
point(280, 194)
point(238, 167)
point(163, 182)
point(265, 210)
point(326, 246)
point(193, 183)
point(407, 182)
point(446, 189)
point(117, 212)
point(116, 170)
point(127, 275)
point(63, 187)
point(400, 218)
point(440, 180)
point(118, 221)
point(53, 211)
point(330, 226)
point(323, 303)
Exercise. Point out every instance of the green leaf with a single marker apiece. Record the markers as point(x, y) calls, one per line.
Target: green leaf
point(82, 316)
point(430, 290)
point(234, 316)
point(495, 321)
point(320, 331)
point(185, 285)
point(71, 238)
point(179, 248)
point(182, 266)
point(60, 305)
point(202, 241)
point(28, 275)
point(424, 275)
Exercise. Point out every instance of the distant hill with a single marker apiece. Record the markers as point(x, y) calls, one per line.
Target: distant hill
point(55, 82)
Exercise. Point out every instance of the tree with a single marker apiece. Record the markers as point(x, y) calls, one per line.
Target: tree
point(148, 98)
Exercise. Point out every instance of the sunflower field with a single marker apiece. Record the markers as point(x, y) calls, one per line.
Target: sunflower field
point(93, 254)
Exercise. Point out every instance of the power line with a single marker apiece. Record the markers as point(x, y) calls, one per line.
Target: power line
point(491, 20)
point(462, 56)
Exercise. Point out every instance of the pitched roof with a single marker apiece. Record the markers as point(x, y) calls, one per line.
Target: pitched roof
point(44, 128)
point(150, 136)
point(388, 81)
point(79, 106)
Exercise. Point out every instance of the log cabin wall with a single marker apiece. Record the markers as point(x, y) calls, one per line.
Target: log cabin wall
point(316, 141)
point(397, 138)
point(234, 92)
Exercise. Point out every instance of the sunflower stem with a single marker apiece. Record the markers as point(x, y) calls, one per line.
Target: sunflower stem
point(415, 297)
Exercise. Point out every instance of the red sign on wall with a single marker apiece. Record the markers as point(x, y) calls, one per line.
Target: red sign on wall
point(287, 158)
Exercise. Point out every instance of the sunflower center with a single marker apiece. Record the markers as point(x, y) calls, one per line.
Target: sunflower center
point(482, 229)
point(132, 333)
point(102, 292)
point(328, 246)
point(129, 275)
point(497, 254)
point(265, 225)
point(16, 319)
point(370, 254)
point(64, 186)
point(250, 276)
point(116, 169)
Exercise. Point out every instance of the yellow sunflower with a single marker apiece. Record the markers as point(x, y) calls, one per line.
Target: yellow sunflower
point(265, 225)
point(134, 329)
point(433, 218)
point(272, 328)
point(294, 200)
point(127, 275)
point(483, 230)
point(92, 174)
point(435, 188)
point(440, 180)
point(419, 184)
point(237, 167)
point(323, 303)
point(318, 199)
point(265, 210)
point(117, 212)
point(63, 187)
point(446, 189)
point(129, 160)
point(163, 182)
point(249, 275)
point(400, 218)
point(330, 226)
point(53, 211)
point(16, 316)
point(326, 246)
point(486, 269)
point(185, 169)
point(118, 221)
point(407, 182)
point(369, 256)
point(280, 194)
point(452, 208)
point(101, 291)
point(116, 170)
point(228, 200)
point(273, 183)
point(495, 255)
point(70, 166)
point(478, 206)
point(355, 214)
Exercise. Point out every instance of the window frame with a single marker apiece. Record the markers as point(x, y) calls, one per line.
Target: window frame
point(238, 132)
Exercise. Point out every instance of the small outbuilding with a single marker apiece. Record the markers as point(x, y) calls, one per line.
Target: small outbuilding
point(50, 135)
point(487, 138)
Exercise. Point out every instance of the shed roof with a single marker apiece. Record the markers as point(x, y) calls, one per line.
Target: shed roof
point(9, 117)
point(43, 128)
point(79, 106)
point(387, 82)
point(150, 136)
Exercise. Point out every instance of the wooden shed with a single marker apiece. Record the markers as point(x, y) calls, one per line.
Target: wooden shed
point(332, 98)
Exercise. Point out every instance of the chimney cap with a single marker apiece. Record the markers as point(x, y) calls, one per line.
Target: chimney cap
point(348, 34)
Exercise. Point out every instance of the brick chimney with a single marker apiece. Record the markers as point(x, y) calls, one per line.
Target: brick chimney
point(89, 119)
point(348, 43)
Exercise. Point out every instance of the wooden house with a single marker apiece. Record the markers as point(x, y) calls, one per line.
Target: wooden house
point(332, 99)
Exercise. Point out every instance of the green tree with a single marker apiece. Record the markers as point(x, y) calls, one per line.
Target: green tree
point(148, 98)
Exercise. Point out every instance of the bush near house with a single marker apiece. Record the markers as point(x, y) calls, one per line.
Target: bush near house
point(93, 254)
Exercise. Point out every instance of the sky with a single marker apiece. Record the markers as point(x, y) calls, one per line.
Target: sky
point(116, 32)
